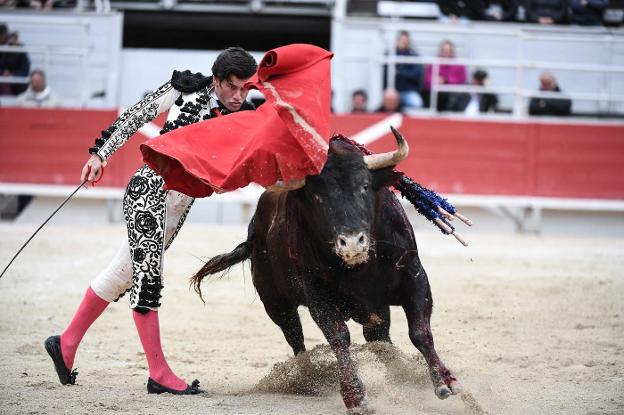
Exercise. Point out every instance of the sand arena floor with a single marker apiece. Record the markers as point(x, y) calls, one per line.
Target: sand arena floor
point(529, 325)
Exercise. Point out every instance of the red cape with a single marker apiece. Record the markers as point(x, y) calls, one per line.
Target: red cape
point(284, 139)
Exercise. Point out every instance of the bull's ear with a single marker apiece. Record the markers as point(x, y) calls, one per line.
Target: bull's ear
point(385, 177)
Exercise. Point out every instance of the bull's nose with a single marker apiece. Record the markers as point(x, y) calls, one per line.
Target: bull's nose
point(353, 248)
point(352, 244)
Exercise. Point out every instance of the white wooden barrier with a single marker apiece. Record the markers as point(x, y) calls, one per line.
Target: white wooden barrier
point(524, 211)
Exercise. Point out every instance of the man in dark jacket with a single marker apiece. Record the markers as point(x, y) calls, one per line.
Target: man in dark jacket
point(546, 11)
point(12, 63)
point(550, 106)
point(587, 12)
point(501, 10)
point(474, 103)
point(466, 9)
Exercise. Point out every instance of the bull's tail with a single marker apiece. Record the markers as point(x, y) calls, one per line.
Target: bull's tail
point(223, 262)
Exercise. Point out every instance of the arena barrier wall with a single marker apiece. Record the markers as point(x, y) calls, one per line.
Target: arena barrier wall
point(476, 157)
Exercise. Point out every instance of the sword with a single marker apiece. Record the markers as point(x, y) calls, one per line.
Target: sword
point(54, 213)
point(42, 225)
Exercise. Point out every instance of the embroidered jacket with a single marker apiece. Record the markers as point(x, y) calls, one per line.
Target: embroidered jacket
point(188, 97)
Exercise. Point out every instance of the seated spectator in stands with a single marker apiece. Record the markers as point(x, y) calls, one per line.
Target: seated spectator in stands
point(587, 12)
point(9, 4)
point(359, 100)
point(472, 104)
point(549, 106)
point(546, 11)
point(12, 63)
point(614, 13)
point(408, 76)
point(447, 74)
point(36, 4)
point(454, 10)
point(391, 101)
point(501, 10)
point(38, 93)
point(39, 4)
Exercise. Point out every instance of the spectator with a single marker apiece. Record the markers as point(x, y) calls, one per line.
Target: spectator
point(9, 4)
point(408, 76)
point(35, 4)
point(474, 103)
point(549, 106)
point(12, 63)
point(447, 74)
point(614, 13)
point(391, 101)
point(38, 93)
point(546, 11)
point(587, 12)
point(501, 10)
point(465, 9)
point(41, 4)
point(359, 101)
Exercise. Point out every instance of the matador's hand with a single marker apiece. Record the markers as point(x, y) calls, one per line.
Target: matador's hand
point(93, 169)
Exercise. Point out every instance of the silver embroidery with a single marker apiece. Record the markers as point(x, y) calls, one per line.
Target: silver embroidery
point(132, 119)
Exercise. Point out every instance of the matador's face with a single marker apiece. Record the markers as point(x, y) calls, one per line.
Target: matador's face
point(231, 92)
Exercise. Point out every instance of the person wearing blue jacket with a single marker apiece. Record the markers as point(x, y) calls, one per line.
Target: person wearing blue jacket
point(408, 76)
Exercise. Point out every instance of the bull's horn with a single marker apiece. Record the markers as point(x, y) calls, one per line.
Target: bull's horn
point(392, 158)
point(281, 186)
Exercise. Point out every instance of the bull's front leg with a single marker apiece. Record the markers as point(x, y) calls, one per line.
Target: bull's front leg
point(418, 305)
point(331, 323)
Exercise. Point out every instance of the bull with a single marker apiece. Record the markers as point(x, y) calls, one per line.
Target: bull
point(342, 246)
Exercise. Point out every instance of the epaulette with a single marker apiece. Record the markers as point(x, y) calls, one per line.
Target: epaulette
point(188, 82)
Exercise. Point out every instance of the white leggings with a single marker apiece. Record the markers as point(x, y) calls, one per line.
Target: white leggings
point(116, 279)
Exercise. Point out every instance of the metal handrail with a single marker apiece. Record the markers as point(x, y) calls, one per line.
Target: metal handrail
point(520, 92)
point(43, 50)
point(518, 64)
point(83, 52)
point(48, 52)
point(303, 7)
point(14, 80)
point(526, 31)
point(532, 93)
point(500, 63)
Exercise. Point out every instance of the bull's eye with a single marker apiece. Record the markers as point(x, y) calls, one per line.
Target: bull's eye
point(365, 188)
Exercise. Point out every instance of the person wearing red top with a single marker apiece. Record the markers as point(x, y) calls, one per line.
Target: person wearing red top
point(448, 74)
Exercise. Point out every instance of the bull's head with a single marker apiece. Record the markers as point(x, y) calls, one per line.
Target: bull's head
point(340, 201)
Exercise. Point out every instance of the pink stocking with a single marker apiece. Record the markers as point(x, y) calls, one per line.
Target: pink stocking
point(148, 328)
point(89, 310)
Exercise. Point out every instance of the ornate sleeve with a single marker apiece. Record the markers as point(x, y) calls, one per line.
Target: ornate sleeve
point(133, 118)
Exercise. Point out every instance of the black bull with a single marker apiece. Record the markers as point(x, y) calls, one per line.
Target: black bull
point(342, 246)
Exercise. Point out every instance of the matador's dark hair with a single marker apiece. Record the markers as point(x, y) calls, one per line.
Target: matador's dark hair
point(234, 61)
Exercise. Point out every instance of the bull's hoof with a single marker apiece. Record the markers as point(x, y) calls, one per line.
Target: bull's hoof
point(361, 408)
point(443, 391)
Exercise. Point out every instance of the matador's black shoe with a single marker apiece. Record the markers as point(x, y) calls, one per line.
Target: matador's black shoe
point(53, 347)
point(155, 387)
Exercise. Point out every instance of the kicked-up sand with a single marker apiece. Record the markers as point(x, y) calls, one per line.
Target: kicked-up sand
point(529, 325)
